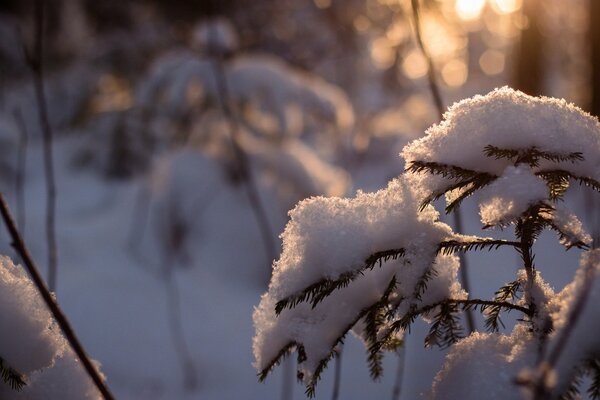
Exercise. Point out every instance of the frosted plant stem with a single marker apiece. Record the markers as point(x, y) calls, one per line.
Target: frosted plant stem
point(337, 377)
point(21, 171)
point(242, 162)
point(59, 316)
point(439, 104)
point(36, 63)
point(397, 391)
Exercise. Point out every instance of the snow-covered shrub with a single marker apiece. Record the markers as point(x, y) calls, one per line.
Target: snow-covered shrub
point(375, 263)
point(34, 356)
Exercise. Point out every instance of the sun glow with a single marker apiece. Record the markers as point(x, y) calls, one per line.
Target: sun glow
point(469, 10)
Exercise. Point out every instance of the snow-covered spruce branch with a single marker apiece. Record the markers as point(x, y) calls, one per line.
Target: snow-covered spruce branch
point(318, 291)
point(53, 307)
point(519, 155)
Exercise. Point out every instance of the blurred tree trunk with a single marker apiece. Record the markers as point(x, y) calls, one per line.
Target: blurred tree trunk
point(529, 72)
point(591, 201)
point(594, 43)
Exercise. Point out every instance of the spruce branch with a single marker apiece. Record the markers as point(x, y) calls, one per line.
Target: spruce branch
point(374, 320)
point(531, 155)
point(455, 246)
point(594, 371)
point(322, 364)
point(561, 178)
point(445, 329)
point(11, 376)
point(404, 323)
point(59, 316)
point(318, 291)
point(445, 170)
point(465, 179)
point(283, 352)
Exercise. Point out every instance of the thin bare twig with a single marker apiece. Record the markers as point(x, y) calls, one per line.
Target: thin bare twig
point(36, 63)
point(59, 316)
point(437, 99)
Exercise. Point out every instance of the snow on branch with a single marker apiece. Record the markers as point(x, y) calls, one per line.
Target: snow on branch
point(518, 155)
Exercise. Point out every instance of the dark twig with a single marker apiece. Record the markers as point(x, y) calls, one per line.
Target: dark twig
point(437, 99)
point(59, 316)
point(36, 63)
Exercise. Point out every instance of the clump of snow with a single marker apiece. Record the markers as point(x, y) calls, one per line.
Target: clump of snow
point(508, 119)
point(327, 237)
point(570, 226)
point(31, 342)
point(488, 362)
point(510, 195)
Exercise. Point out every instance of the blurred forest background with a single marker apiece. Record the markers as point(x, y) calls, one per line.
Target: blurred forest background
point(183, 132)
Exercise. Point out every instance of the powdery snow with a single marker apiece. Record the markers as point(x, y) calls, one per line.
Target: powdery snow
point(508, 119)
point(485, 365)
point(31, 342)
point(327, 237)
point(510, 195)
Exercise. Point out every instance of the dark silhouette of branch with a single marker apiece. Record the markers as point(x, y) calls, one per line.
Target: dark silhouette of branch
point(397, 391)
point(287, 387)
point(437, 99)
point(59, 316)
point(36, 63)
point(337, 373)
point(21, 170)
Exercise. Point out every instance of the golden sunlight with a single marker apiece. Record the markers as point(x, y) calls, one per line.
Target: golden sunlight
point(469, 10)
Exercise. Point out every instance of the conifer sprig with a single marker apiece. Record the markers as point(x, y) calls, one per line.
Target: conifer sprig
point(11, 376)
point(318, 291)
point(531, 155)
point(594, 372)
point(466, 180)
point(455, 246)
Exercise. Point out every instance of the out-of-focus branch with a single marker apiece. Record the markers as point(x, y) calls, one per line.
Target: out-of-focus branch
point(243, 164)
point(59, 316)
point(36, 63)
point(437, 99)
point(20, 172)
